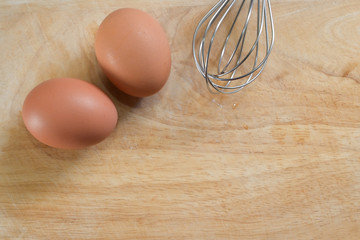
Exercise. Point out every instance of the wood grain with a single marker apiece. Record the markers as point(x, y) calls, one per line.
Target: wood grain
point(279, 160)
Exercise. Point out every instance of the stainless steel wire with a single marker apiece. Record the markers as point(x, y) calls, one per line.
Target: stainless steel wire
point(231, 60)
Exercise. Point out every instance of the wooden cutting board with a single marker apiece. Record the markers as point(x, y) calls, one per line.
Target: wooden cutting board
point(279, 160)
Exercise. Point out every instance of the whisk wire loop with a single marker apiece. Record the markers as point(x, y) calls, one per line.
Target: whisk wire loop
point(238, 67)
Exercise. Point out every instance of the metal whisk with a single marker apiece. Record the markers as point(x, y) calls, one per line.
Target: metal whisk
point(232, 43)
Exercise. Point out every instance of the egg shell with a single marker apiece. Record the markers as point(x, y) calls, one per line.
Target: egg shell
point(69, 113)
point(133, 51)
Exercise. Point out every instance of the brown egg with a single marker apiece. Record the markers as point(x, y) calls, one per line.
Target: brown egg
point(133, 51)
point(69, 113)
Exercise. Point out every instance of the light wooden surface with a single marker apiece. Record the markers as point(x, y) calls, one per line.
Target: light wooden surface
point(279, 160)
